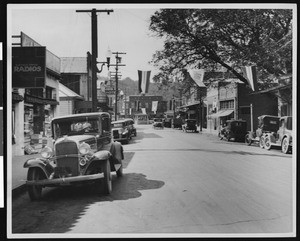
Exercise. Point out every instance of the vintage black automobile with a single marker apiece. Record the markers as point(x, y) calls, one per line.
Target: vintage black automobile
point(158, 123)
point(236, 129)
point(167, 122)
point(266, 124)
point(123, 130)
point(283, 137)
point(190, 125)
point(82, 152)
point(177, 123)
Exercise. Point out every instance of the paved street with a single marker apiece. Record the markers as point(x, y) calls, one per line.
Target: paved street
point(173, 183)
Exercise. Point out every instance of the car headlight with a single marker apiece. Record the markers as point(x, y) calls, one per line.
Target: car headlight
point(84, 148)
point(47, 152)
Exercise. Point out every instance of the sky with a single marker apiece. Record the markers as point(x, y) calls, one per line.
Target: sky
point(67, 33)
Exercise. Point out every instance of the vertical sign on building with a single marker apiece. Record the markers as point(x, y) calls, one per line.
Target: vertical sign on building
point(28, 67)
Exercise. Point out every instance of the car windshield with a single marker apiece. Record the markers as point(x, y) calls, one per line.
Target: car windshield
point(78, 126)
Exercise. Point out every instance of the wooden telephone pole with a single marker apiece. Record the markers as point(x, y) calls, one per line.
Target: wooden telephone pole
point(94, 53)
point(118, 63)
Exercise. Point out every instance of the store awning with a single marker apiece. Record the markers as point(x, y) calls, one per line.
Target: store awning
point(194, 104)
point(221, 113)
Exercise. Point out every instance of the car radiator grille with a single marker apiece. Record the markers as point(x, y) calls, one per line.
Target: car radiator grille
point(67, 165)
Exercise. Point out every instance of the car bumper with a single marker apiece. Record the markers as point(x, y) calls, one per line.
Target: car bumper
point(120, 138)
point(65, 180)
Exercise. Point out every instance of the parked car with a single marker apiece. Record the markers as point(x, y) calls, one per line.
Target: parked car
point(189, 125)
point(123, 130)
point(266, 124)
point(177, 123)
point(82, 152)
point(236, 129)
point(167, 122)
point(158, 123)
point(130, 124)
point(283, 137)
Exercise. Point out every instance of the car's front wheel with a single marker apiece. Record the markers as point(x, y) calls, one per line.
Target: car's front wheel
point(35, 191)
point(107, 180)
point(285, 147)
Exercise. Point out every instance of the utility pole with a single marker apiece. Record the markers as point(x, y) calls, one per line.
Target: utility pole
point(118, 61)
point(94, 53)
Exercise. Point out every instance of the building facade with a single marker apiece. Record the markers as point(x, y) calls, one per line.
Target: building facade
point(35, 98)
point(232, 99)
point(146, 103)
point(67, 100)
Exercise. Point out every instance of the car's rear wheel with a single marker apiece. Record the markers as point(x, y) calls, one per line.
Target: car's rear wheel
point(285, 147)
point(107, 180)
point(35, 191)
point(267, 142)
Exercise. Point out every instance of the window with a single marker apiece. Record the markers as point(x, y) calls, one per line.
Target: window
point(228, 104)
point(283, 110)
point(48, 93)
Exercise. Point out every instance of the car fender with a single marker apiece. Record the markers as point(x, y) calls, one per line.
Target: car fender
point(271, 137)
point(43, 164)
point(289, 137)
point(102, 155)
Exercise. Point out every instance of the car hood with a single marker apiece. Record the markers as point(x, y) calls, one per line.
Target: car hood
point(78, 139)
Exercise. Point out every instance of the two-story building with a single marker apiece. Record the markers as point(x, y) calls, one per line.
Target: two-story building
point(232, 99)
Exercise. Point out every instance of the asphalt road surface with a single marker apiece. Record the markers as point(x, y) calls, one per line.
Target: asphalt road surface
point(174, 184)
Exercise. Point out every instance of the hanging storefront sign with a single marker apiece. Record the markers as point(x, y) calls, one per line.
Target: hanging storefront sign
point(28, 67)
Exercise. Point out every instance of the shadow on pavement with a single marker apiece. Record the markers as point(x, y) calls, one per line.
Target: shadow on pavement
point(61, 208)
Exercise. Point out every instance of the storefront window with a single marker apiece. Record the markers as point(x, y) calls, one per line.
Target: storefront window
point(28, 122)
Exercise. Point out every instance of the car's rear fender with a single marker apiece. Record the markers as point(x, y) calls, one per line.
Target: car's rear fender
point(40, 163)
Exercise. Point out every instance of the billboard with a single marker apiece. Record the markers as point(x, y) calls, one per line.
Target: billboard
point(28, 67)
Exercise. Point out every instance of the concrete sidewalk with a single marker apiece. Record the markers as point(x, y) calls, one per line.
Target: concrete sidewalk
point(19, 173)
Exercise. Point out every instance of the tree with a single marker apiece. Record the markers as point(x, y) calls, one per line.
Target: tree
point(230, 38)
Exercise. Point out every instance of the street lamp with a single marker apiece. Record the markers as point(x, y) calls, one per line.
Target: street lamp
point(108, 56)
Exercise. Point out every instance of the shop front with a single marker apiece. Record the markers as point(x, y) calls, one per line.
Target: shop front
point(34, 98)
